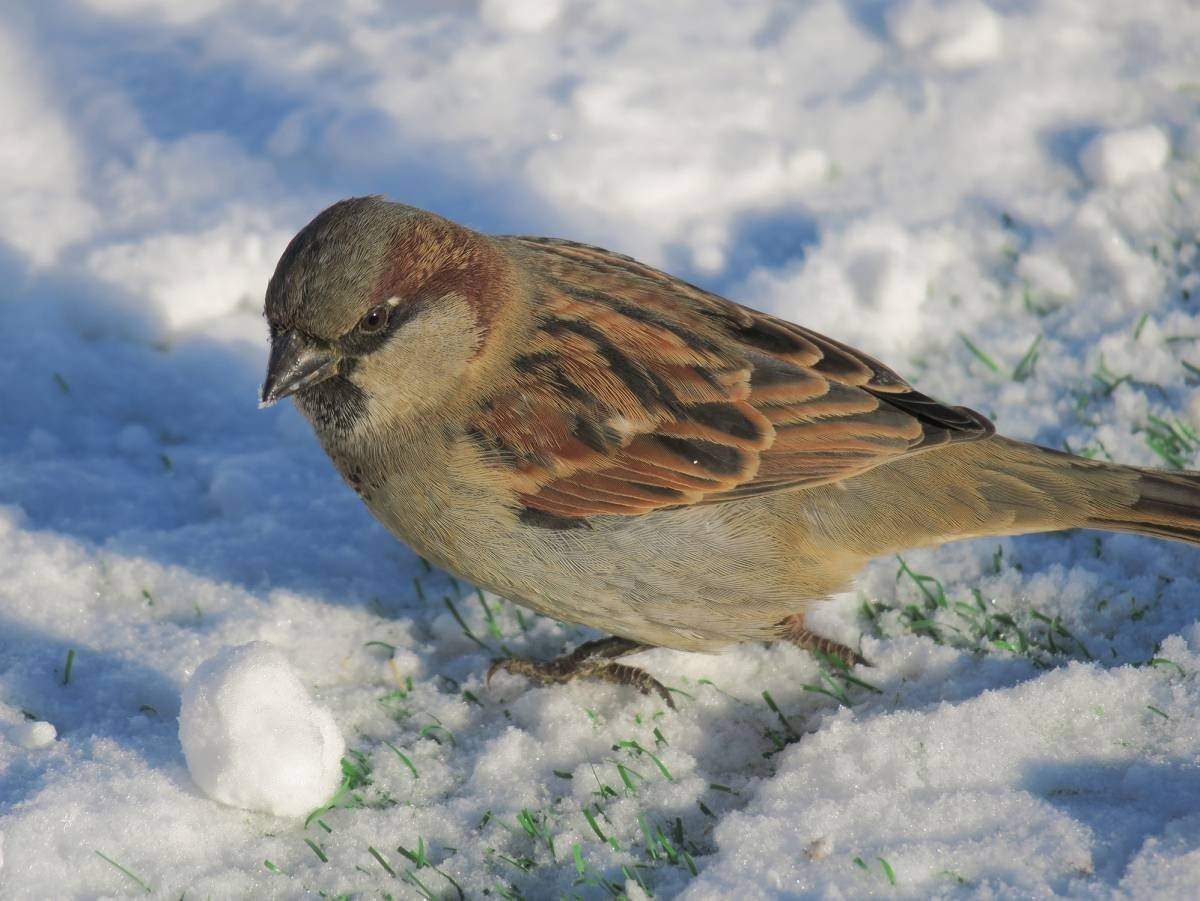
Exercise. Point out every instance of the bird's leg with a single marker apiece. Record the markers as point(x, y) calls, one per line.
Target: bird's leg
point(592, 660)
point(793, 630)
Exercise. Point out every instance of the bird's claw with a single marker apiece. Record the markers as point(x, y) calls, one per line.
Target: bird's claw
point(591, 661)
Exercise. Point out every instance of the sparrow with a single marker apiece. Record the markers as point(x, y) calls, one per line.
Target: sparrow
point(612, 446)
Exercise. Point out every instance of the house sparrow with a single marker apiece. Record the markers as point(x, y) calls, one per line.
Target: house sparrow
point(612, 446)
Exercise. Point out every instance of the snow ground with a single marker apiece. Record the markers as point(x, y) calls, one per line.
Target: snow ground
point(1000, 199)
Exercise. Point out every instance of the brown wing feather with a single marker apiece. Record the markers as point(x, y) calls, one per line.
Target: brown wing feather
point(638, 391)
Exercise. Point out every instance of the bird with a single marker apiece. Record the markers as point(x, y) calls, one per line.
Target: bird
point(612, 446)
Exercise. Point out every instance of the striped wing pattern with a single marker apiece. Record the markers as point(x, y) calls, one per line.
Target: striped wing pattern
point(638, 391)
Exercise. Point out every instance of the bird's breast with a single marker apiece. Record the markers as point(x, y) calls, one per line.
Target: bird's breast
point(692, 578)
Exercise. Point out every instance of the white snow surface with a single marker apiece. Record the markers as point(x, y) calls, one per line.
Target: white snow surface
point(1002, 200)
point(252, 736)
point(1120, 156)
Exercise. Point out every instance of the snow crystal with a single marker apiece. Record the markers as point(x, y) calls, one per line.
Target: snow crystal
point(253, 737)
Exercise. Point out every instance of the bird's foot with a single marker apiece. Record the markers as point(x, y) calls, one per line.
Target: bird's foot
point(793, 630)
point(593, 660)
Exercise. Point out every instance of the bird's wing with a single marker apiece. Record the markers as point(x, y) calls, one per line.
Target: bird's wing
point(637, 391)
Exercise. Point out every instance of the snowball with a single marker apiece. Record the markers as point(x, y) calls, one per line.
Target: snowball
point(252, 736)
point(34, 735)
point(1119, 156)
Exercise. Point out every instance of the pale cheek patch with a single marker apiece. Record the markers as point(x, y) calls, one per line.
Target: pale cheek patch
point(422, 362)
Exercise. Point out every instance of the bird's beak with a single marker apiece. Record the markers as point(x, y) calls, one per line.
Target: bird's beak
point(296, 363)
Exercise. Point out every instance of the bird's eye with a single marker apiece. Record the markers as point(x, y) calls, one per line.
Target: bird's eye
point(375, 319)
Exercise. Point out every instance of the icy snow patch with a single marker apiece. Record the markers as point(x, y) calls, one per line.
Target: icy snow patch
point(33, 735)
point(253, 737)
point(953, 35)
point(520, 15)
point(895, 175)
point(1117, 157)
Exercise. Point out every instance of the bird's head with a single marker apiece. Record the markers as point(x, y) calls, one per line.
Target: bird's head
point(378, 311)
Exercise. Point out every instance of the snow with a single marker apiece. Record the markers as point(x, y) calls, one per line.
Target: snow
point(34, 735)
point(1000, 200)
point(1116, 157)
point(954, 35)
point(252, 736)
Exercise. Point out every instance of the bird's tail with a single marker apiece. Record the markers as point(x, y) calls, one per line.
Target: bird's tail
point(1166, 505)
point(1074, 491)
point(1002, 487)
